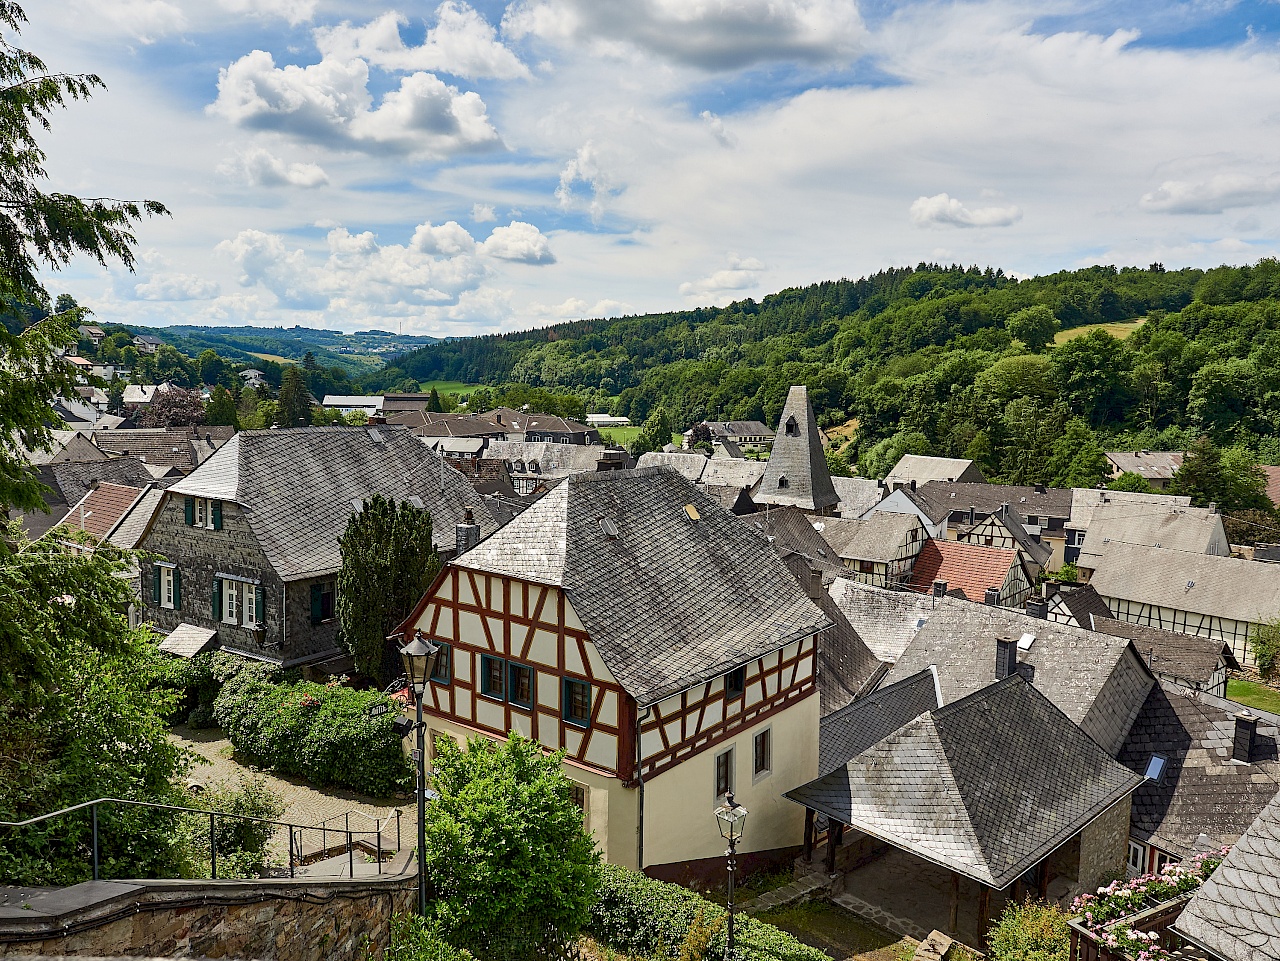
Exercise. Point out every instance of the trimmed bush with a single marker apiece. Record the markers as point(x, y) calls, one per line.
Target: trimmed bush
point(198, 681)
point(1031, 931)
point(639, 916)
point(321, 732)
point(418, 939)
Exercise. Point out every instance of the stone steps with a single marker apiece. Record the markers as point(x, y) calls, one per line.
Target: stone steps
point(799, 890)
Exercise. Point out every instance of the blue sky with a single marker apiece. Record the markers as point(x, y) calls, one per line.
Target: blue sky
point(458, 168)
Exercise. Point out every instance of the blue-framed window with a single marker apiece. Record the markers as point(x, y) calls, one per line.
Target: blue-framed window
point(575, 702)
point(493, 677)
point(442, 672)
point(520, 685)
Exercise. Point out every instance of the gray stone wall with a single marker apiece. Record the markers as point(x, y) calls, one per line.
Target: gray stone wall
point(1103, 847)
point(305, 638)
point(199, 554)
point(287, 920)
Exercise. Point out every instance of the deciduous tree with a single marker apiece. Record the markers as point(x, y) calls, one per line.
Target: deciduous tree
point(654, 435)
point(1034, 326)
point(221, 409)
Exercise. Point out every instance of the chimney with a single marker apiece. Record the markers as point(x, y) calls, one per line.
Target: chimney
point(1242, 745)
point(1050, 588)
point(1041, 489)
point(1038, 609)
point(992, 597)
point(466, 534)
point(939, 588)
point(1006, 657)
point(1004, 509)
point(1213, 507)
point(815, 584)
point(913, 485)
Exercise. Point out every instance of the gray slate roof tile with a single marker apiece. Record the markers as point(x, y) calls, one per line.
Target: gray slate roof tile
point(887, 621)
point(798, 460)
point(846, 733)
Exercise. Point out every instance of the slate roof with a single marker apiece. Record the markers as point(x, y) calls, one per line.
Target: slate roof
point(1150, 464)
point(731, 498)
point(923, 469)
point(100, 510)
point(861, 724)
point(132, 527)
point(887, 621)
point(1201, 583)
point(68, 445)
point(427, 423)
point(878, 537)
point(857, 495)
point(1086, 500)
point(181, 447)
point(71, 480)
point(296, 486)
point(1183, 656)
point(1236, 913)
point(798, 460)
point(188, 640)
point(986, 786)
point(689, 465)
point(790, 531)
point(1033, 549)
point(971, 568)
point(737, 429)
point(1096, 679)
point(546, 458)
point(670, 602)
point(1085, 603)
point(531, 420)
point(1203, 790)
point(939, 498)
point(1192, 529)
point(727, 472)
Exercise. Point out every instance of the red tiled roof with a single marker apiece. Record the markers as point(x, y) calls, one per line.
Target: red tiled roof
point(1273, 484)
point(101, 509)
point(970, 567)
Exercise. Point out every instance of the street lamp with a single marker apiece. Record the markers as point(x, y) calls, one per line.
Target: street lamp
point(419, 657)
point(732, 818)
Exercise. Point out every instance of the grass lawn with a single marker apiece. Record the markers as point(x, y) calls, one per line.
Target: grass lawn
point(840, 934)
point(447, 386)
point(275, 358)
point(1254, 695)
point(623, 436)
point(1120, 331)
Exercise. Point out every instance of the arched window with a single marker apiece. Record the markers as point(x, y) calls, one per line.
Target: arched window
point(783, 483)
point(793, 429)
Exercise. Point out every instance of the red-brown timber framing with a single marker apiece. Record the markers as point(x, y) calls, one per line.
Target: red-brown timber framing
point(544, 609)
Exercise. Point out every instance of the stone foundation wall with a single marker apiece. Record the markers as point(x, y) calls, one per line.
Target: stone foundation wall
point(1104, 845)
point(288, 920)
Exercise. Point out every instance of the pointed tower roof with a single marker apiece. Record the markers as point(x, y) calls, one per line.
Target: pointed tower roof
point(797, 472)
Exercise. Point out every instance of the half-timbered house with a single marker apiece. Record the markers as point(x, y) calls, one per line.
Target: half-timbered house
point(630, 620)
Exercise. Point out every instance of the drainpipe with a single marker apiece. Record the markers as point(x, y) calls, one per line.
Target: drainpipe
point(640, 719)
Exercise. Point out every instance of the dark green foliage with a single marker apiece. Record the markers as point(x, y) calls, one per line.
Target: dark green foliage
point(1031, 931)
point(388, 563)
point(433, 402)
point(241, 845)
point(643, 917)
point(418, 939)
point(1134, 483)
point(654, 435)
point(507, 856)
point(1231, 479)
point(1265, 643)
point(295, 405)
point(1034, 326)
point(221, 409)
point(321, 732)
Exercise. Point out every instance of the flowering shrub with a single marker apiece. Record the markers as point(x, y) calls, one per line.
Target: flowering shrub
point(1119, 899)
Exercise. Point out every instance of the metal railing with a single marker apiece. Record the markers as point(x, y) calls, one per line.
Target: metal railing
point(297, 858)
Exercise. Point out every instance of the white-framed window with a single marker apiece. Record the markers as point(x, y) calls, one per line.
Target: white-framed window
point(1161, 860)
point(202, 512)
point(724, 773)
point(250, 605)
point(230, 602)
point(1137, 862)
point(166, 588)
point(762, 754)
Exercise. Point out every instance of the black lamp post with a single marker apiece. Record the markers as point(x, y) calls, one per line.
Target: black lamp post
point(419, 657)
point(732, 818)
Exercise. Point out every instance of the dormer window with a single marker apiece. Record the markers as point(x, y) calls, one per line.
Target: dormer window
point(793, 428)
point(1156, 768)
point(783, 483)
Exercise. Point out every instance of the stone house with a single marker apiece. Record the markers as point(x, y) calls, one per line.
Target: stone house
point(630, 620)
point(246, 546)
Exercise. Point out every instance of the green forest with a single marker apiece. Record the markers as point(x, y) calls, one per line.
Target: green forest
point(937, 359)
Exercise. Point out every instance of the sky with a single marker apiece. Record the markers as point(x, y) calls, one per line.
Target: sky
point(471, 167)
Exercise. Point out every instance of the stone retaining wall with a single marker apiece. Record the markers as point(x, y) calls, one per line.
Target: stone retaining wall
point(285, 920)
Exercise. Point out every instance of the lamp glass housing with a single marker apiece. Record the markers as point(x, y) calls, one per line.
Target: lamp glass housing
point(732, 818)
point(419, 657)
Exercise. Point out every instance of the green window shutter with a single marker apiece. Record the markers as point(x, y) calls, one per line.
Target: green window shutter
point(317, 604)
point(217, 598)
point(217, 515)
point(177, 589)
point(189, 511)
point(155, 585)
point(257, 604)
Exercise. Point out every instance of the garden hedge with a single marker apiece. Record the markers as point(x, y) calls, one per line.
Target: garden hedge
point(321, 732)
point(639, 916)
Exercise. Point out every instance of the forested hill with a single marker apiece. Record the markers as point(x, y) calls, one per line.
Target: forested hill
point(927, 357)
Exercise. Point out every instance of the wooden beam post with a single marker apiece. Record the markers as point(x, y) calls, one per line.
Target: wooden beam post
point(835, 833)
point(808, 835)
point(1042, 880)
point(984, 915)
point(953, 923)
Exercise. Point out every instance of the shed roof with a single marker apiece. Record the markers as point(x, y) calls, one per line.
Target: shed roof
point(188, 640)
point(986, 786)
point(669, 601)
point(1194, 659)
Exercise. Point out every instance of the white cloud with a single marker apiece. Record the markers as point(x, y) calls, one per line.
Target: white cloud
point(944, 210)
point(577, 308)
point(176, 287)
point(145, 20)
point(329, 103)
point(483, 213)
point(260, 168)
point(717, 128)
point(448, 240)
point(588, 168)
point(263, 259)
point(293, 11)
point(462, 43)
point(706, 34)
point(1220, 192)
point(741, 274)
point(519, 241)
